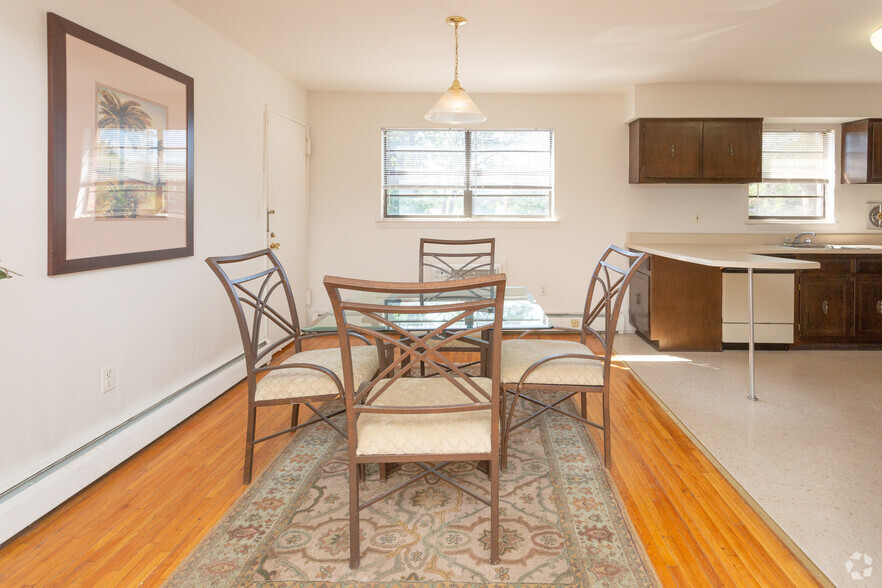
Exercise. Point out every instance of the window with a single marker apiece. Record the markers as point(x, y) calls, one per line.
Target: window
point(797, 177)
point(466, 173)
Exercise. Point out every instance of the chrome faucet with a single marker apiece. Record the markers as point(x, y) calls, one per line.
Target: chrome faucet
point(807, 240)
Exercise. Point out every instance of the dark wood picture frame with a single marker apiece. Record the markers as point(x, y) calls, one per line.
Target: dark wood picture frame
point(60, 260)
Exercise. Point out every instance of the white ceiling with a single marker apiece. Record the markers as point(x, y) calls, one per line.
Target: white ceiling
point(560, 46)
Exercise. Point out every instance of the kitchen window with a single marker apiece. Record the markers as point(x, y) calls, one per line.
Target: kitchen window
point(453, 173)
point(797, 184)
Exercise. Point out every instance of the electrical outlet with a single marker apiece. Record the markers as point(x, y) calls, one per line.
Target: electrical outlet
point(108, 379)
point(696, 218)
point(574, 323)
point(543, 291)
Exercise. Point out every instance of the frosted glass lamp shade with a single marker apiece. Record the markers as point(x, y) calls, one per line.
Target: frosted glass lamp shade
point(455, 107)
point(876, 39)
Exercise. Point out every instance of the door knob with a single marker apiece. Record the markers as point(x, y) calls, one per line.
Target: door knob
point(276, 246)
point(879, 306)
point(824, 307)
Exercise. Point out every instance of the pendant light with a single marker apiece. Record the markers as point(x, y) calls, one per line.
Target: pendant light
point(876, 39)
point(455, 106)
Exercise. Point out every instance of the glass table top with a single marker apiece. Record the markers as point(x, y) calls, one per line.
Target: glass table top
point(520, 311)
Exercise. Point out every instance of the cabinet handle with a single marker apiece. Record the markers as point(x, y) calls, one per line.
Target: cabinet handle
point(879, 306)
point(637, 301)
point(731, 150)
point(672, 149)
point(824, 307)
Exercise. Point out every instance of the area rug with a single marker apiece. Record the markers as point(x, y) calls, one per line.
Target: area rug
point(561, 523)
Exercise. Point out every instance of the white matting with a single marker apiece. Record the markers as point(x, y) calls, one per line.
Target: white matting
point(809, 451)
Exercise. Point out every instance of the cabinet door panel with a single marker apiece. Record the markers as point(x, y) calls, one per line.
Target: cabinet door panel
point(638, 303)
point(876, 160)
point(731, 150)
point(869, 306)
point(671, 149)
point(826, 306)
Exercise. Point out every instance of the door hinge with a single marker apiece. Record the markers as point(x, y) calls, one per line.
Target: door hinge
point(308, 296)
point(308, 147)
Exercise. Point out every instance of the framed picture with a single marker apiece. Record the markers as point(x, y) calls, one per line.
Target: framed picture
point(120, 154)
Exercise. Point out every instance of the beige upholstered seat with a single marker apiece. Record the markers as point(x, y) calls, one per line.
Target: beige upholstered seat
point(431, 434)
point(462, 344)
point(519, 354)
point(303, 382)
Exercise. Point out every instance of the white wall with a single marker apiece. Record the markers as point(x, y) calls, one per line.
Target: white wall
point(164, 324)
point(670, 208)
point(345, 188)
point(594, 202)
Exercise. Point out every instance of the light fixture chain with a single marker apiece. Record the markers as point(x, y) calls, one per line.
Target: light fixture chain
point(456, 52)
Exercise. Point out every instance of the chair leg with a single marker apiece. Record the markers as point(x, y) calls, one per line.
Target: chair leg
point(607, 448)
point(354, 532)
point(249, 444)
point(494, 511)
point(295, 413)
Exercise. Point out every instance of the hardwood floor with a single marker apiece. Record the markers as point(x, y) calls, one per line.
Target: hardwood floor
point(137, 523)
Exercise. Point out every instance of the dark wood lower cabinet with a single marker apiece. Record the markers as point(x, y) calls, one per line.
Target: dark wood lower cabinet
point(825, 307)
point(840, 304)
point(677, 306)
point(868, 305)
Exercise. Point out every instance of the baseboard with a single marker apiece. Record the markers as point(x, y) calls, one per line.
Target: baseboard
point(24, 504)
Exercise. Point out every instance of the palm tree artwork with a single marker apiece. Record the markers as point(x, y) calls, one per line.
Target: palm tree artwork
point(122, 122)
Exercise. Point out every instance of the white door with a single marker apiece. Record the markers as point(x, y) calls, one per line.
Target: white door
point(287, 210)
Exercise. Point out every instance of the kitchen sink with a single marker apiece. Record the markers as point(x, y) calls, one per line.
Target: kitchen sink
point(821, 246)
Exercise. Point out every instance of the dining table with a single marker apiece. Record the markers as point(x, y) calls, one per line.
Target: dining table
point(520, 311)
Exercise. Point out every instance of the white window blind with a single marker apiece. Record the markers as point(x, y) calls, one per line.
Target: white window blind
point(797, 176)
point(796, 156)
point(467, 173)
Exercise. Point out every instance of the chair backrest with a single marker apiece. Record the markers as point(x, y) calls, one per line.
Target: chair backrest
point(250, 280)
point(397, 315)
point(455, 259)
point(606, 292)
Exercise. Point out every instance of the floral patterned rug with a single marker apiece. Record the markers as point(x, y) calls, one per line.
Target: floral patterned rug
point(561, 523)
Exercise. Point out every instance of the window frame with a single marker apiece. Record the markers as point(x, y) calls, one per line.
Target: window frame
point(467, 189)
point(827, 198)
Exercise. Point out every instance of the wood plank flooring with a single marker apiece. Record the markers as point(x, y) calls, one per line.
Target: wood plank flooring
point(136, 524)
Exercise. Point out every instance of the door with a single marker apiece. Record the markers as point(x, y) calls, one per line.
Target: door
point(287, 207)
point(671, 149)
point(731, 150)
point(826, 307)
point(869, 306)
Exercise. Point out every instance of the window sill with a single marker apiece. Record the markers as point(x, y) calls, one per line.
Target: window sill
point(392, 223)
point(778, 221)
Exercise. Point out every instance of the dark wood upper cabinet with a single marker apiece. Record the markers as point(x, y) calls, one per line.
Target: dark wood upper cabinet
point(861, 151)
point(695, 150)
point(671, 149)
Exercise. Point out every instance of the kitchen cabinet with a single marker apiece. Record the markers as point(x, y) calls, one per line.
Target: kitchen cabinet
point(695, 150)
point(861, 152)
point(840, 304)
point(676, 306)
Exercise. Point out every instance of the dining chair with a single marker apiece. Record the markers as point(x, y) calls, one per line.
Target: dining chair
point(430, 421)
point(453, 259)
point(306, 377)
point(571, 367)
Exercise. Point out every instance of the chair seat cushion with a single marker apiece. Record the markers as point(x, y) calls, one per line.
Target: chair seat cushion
point(463, 344)
point(437, 433)
point(303, 382)
point(519, 354)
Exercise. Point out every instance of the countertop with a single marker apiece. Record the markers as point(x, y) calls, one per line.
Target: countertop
point(748, 251)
